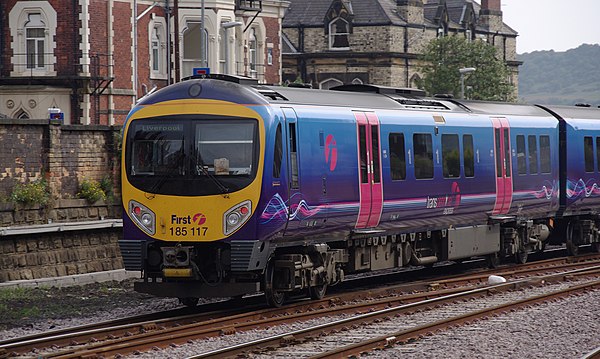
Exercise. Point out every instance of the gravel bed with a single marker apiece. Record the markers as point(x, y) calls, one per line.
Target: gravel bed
point(565, 329)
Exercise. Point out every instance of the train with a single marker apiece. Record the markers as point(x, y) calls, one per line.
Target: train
point(231, 188)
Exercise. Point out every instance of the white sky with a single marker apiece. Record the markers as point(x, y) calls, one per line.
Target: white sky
point(557, 25)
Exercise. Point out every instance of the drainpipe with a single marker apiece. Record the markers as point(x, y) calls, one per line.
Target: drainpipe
point(176, 33)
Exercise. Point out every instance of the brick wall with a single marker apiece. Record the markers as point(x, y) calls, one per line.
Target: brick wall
point(63, 155)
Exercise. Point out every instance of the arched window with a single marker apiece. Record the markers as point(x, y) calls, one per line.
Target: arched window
point(357, 81)
point(223, 51)
point(338, 34)
point(252, 52)
point(36, 41)
point(33, 31)
point(155, 46)
point(329, 83)
point(22, 115)
point(194, 46)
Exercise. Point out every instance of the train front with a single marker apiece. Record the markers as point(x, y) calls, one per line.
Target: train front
point(191, 180)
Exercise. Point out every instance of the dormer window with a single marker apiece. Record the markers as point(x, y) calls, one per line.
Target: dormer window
point(338, 34)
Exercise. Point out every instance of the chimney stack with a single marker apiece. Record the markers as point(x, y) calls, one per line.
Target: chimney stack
point(490, 15)
point(411, 11)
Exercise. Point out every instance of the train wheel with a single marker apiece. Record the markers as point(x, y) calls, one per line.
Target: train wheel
point(189, 301)
point(317, 292)
point(492, 260)
point(274, 297)
point(521, 256)
point(572, 248)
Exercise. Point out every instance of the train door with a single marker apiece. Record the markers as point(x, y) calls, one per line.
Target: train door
point(291, 139)
point(369, 170)
point(504, 183)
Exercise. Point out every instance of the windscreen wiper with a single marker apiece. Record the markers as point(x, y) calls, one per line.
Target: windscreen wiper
point(219, 184)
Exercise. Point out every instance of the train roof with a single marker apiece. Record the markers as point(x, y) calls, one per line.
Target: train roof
point(503, 108)
point(574, 112)
point(369, 96)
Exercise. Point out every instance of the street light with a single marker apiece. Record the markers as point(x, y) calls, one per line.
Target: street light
point(463, 71)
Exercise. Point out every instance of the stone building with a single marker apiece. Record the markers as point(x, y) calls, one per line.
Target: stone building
point(93, 59)
point(332, 42)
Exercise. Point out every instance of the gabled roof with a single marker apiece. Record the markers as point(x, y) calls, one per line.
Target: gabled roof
point(311, 13)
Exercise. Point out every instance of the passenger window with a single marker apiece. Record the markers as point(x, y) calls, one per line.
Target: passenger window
point(545, 163)
point(468, 155)
point(450, 156)
point(588, 148)
point(423, 149)
point(397, 156)
point(278, 153)
point(521, 160)
point(598, 152)
point(533, 159)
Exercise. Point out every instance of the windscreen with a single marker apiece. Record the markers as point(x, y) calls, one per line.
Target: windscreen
point(179, 155)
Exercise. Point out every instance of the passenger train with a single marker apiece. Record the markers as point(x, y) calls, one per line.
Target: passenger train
point(232, 188)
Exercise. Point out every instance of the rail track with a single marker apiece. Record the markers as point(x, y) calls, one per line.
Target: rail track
point(148, 333)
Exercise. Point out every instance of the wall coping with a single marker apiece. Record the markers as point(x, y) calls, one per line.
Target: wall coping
point(61, 227)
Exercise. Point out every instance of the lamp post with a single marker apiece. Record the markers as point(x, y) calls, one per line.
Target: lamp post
point(463, 71)
point(202, 39)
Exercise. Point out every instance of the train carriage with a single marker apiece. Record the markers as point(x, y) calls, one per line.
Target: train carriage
point(232, 188)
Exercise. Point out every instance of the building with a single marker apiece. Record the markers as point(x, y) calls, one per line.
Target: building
point(332, 42)
point(91, 60)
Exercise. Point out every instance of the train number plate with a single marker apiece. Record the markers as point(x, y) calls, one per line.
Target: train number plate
point(183, 231)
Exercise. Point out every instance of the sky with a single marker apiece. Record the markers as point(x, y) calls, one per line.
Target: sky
point(557, 25)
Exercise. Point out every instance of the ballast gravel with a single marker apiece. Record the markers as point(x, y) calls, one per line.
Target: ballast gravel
point(568, 328)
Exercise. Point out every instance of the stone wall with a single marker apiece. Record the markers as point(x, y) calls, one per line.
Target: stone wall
point(53, 254)
point(68, 235)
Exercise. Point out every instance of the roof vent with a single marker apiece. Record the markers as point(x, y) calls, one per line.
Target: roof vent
point(583, 104)
point(270, 93)
point(230, 78)
point(385, 90)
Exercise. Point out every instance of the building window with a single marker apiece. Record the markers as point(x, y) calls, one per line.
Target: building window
point(270, 56)
point(329, 83)
point(252, 52)
point(36, 40)
point(32, 30)
point(223, 51)
point(155, 46)
point(338, 34)
point(194, 46)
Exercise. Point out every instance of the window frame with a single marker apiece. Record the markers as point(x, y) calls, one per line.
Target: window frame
point(450, 143)
point(396, 141)
point(427, 155)
point(18, 18)
point(334, 34)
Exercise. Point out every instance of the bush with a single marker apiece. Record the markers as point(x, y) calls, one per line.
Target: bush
point(91, 191)
point(31, 193)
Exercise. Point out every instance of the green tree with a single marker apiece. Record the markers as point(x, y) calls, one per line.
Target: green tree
point(444, 56)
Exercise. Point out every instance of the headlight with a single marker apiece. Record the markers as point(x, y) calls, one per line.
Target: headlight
point(143, 216)
point(236, 216)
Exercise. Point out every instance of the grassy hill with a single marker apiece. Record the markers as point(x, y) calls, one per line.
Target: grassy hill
point(561, 78)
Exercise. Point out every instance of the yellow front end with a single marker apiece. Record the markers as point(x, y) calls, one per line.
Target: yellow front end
point(192, 218)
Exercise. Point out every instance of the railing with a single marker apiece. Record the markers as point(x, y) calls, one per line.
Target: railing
point(254, 71)
point(47, 64)
point(249, 5)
